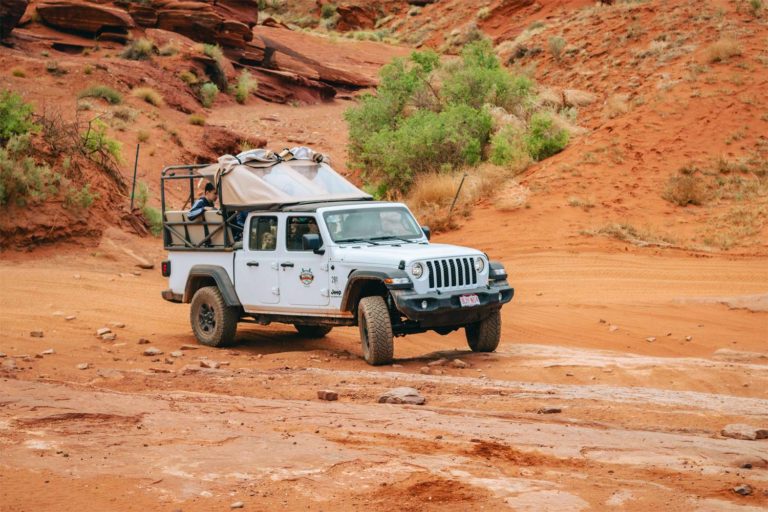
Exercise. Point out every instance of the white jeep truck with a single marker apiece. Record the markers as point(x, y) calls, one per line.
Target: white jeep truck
point(330, 256)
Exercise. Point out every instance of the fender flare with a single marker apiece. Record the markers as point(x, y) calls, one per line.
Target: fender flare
point(358, 278)
point(220, 276)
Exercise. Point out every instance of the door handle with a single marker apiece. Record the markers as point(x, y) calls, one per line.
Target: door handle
point(253, 263)
point(286, 264)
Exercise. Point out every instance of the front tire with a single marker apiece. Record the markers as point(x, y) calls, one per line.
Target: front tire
point(375, 330)
point(313, 331)
point(213, 322)
point(484, 336)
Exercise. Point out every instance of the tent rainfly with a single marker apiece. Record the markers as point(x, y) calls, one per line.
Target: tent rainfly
point(259, 178)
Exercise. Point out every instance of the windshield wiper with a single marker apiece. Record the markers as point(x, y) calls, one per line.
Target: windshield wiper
point(355, 241)
point(392, 237)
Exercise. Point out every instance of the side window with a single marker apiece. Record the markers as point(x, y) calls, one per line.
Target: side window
point(298, 227)
point(262, 235)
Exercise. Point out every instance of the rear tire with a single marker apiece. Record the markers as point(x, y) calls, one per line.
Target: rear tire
point(213, 322)
point(484, 336)
point(375, 330)
point(313, 331)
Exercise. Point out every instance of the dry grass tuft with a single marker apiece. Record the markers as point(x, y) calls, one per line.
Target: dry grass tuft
point(149, 95)
point(512, 197)
point(617, 105)
point(431, 195)
point(686, 188)
point(722, 50)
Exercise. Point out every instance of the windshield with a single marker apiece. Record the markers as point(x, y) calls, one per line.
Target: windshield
point(372, 224)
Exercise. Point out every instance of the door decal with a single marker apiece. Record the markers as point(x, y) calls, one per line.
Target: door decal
point(306, 277)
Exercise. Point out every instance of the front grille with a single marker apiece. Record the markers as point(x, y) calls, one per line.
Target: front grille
point(452, 273)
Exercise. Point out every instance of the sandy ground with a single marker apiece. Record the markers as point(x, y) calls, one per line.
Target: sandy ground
point(638, 428)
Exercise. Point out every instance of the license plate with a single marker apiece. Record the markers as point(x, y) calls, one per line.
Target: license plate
point(469, 300)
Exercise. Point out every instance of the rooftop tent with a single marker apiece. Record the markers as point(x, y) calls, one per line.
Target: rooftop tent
point(260, 178)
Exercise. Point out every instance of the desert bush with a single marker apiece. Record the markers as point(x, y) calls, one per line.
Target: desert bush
point(168, 50)
point(139, 49)
point(544, 138)
point(685, 188)
point(428, 141)
point(483, 13)
point(22, 180)
point(88, 69)
point(508, 148)
point(15, 116)
point(97, 144)
point(79, 198)
point(246, 84)
point(188, 77)
point(481, 79)
point(53, 68)
point(143, 136)
point(430, 117)
point(722, 50)
point(126, 114)
point(153, 215)
point(556, 45)
point(327, 11)
point(18, 73)
point(756, 7)
point(208, 94)
point(149, 95)
point(216, 72)
point(197, 120)
point(102, 91)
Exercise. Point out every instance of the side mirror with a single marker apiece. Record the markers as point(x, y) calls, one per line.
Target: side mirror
point(427, 232)
point(311, 242)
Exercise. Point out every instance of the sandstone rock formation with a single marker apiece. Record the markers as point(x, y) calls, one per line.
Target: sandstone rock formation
point(85, 18)
point(11, 12)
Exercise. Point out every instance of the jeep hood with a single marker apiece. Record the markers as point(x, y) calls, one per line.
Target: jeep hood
point(390, 255)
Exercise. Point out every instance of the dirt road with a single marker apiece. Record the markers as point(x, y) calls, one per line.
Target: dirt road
point(646, 356)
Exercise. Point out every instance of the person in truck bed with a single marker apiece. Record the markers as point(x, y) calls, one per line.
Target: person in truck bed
point(206, 201)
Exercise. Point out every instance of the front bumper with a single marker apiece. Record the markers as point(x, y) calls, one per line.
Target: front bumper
point(445, 310)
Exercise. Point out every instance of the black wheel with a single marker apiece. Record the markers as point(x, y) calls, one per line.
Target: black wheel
point(213, 322)
point(313, 331)
point(484, 336)
point(375, 330)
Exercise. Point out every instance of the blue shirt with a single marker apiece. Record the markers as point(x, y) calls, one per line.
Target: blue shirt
point(199, 207)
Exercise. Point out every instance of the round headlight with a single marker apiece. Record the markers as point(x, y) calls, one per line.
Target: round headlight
point(417, 270)
point(479, 264)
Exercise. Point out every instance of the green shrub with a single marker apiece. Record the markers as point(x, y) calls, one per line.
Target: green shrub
point(97, 144)
point(22, 180)
point(508, 147)
point(15, 116)
point(246, 84)
point(79, 199)
point(149, 95)
point(139, 49)
point(153, 215)
point(481, 79)
point(197, 120)
point(429, 117)
point(327, 11)
point(18, 72)
point(544, 139)
point(427, 142)
point(208, 93)
point(102, 91)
